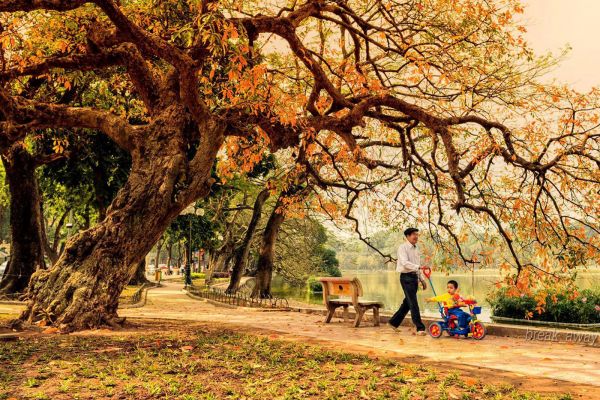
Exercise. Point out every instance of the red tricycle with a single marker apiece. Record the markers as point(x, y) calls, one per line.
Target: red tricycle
point(449, 323)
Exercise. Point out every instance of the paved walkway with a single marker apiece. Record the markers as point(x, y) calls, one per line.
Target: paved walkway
point(11, 308)
point(534, 365)
point(556, 361)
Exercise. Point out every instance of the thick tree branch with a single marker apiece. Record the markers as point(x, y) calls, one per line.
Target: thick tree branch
point(38, 115)
point(79, 62)
point(147, 42)
point(30, 5)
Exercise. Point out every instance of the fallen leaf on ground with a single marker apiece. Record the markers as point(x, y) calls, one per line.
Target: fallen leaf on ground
point(108, 350)
point(454, 395)
point(470, 381)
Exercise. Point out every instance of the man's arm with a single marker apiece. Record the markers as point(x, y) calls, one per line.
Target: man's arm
point(422, 279)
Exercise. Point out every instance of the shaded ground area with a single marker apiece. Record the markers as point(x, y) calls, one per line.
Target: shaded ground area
point(178, 360)
point(495, 368)
point(523, 359)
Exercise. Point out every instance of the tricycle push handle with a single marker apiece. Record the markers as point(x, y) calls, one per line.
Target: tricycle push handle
point(426, 272)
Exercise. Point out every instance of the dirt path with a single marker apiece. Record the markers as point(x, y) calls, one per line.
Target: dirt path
point(548, 364)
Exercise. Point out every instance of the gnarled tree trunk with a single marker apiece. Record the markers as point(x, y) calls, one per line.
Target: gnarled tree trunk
point(139, 278)
point(264, 265)
point(219, 260)
point(241, 255)
point(26, 223)
point(82, 290)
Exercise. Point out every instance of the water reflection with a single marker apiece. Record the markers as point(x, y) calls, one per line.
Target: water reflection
point(384, 286)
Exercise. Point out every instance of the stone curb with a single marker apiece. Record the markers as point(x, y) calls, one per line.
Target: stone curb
point(546, 324)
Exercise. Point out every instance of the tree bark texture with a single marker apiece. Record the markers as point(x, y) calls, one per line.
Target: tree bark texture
point(26, 225)
point(82, 289)
point(242, 252)
point(219, 260)
point(139, 278)
point(159, 245)
point(264, 265)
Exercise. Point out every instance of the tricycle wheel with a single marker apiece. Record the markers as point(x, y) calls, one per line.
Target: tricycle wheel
point(478, 331)
point(435, 330)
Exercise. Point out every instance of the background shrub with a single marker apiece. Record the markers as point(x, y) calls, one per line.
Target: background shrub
point(314, 286)
point(584, 309)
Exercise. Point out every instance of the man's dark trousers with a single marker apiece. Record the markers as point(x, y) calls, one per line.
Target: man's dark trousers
point(410, 285)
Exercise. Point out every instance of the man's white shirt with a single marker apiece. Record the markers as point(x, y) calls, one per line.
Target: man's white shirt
point(409, 259)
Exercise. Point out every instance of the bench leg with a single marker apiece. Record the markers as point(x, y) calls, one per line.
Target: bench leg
point(359, 314)
point(330, 312)
point(346, 315)
point(375, 316)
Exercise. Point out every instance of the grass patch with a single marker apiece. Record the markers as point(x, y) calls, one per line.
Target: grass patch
point(4, 318)
point(203, 363)
point(129, 290)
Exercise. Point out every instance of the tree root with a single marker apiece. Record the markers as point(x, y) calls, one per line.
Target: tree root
point(114, 322)
point(16, 325)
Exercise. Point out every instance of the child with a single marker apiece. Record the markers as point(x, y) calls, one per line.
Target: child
point(453, 301)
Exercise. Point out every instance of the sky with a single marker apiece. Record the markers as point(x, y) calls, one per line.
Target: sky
point(553, 24)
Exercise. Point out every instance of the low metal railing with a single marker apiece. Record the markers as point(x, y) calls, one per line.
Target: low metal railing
point(237, 299)
point(136, 297)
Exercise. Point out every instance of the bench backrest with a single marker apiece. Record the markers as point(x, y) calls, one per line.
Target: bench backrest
point(341, 287)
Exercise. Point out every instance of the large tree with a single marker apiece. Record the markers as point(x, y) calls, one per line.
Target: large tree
point(437, 96)
point(242, 253)
point(266, 253)
point(27, 251)
point(293, 195)
point(78, 189)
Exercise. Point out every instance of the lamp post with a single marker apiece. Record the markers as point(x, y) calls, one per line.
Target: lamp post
point(190, 210)
point(188, 264)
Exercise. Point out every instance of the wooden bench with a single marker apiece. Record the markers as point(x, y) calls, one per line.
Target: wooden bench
point(347, 292)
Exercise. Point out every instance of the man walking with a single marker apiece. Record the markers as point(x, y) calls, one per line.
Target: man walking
point(409, 266)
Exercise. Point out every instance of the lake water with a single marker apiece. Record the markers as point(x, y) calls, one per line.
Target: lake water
point(384, 286)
